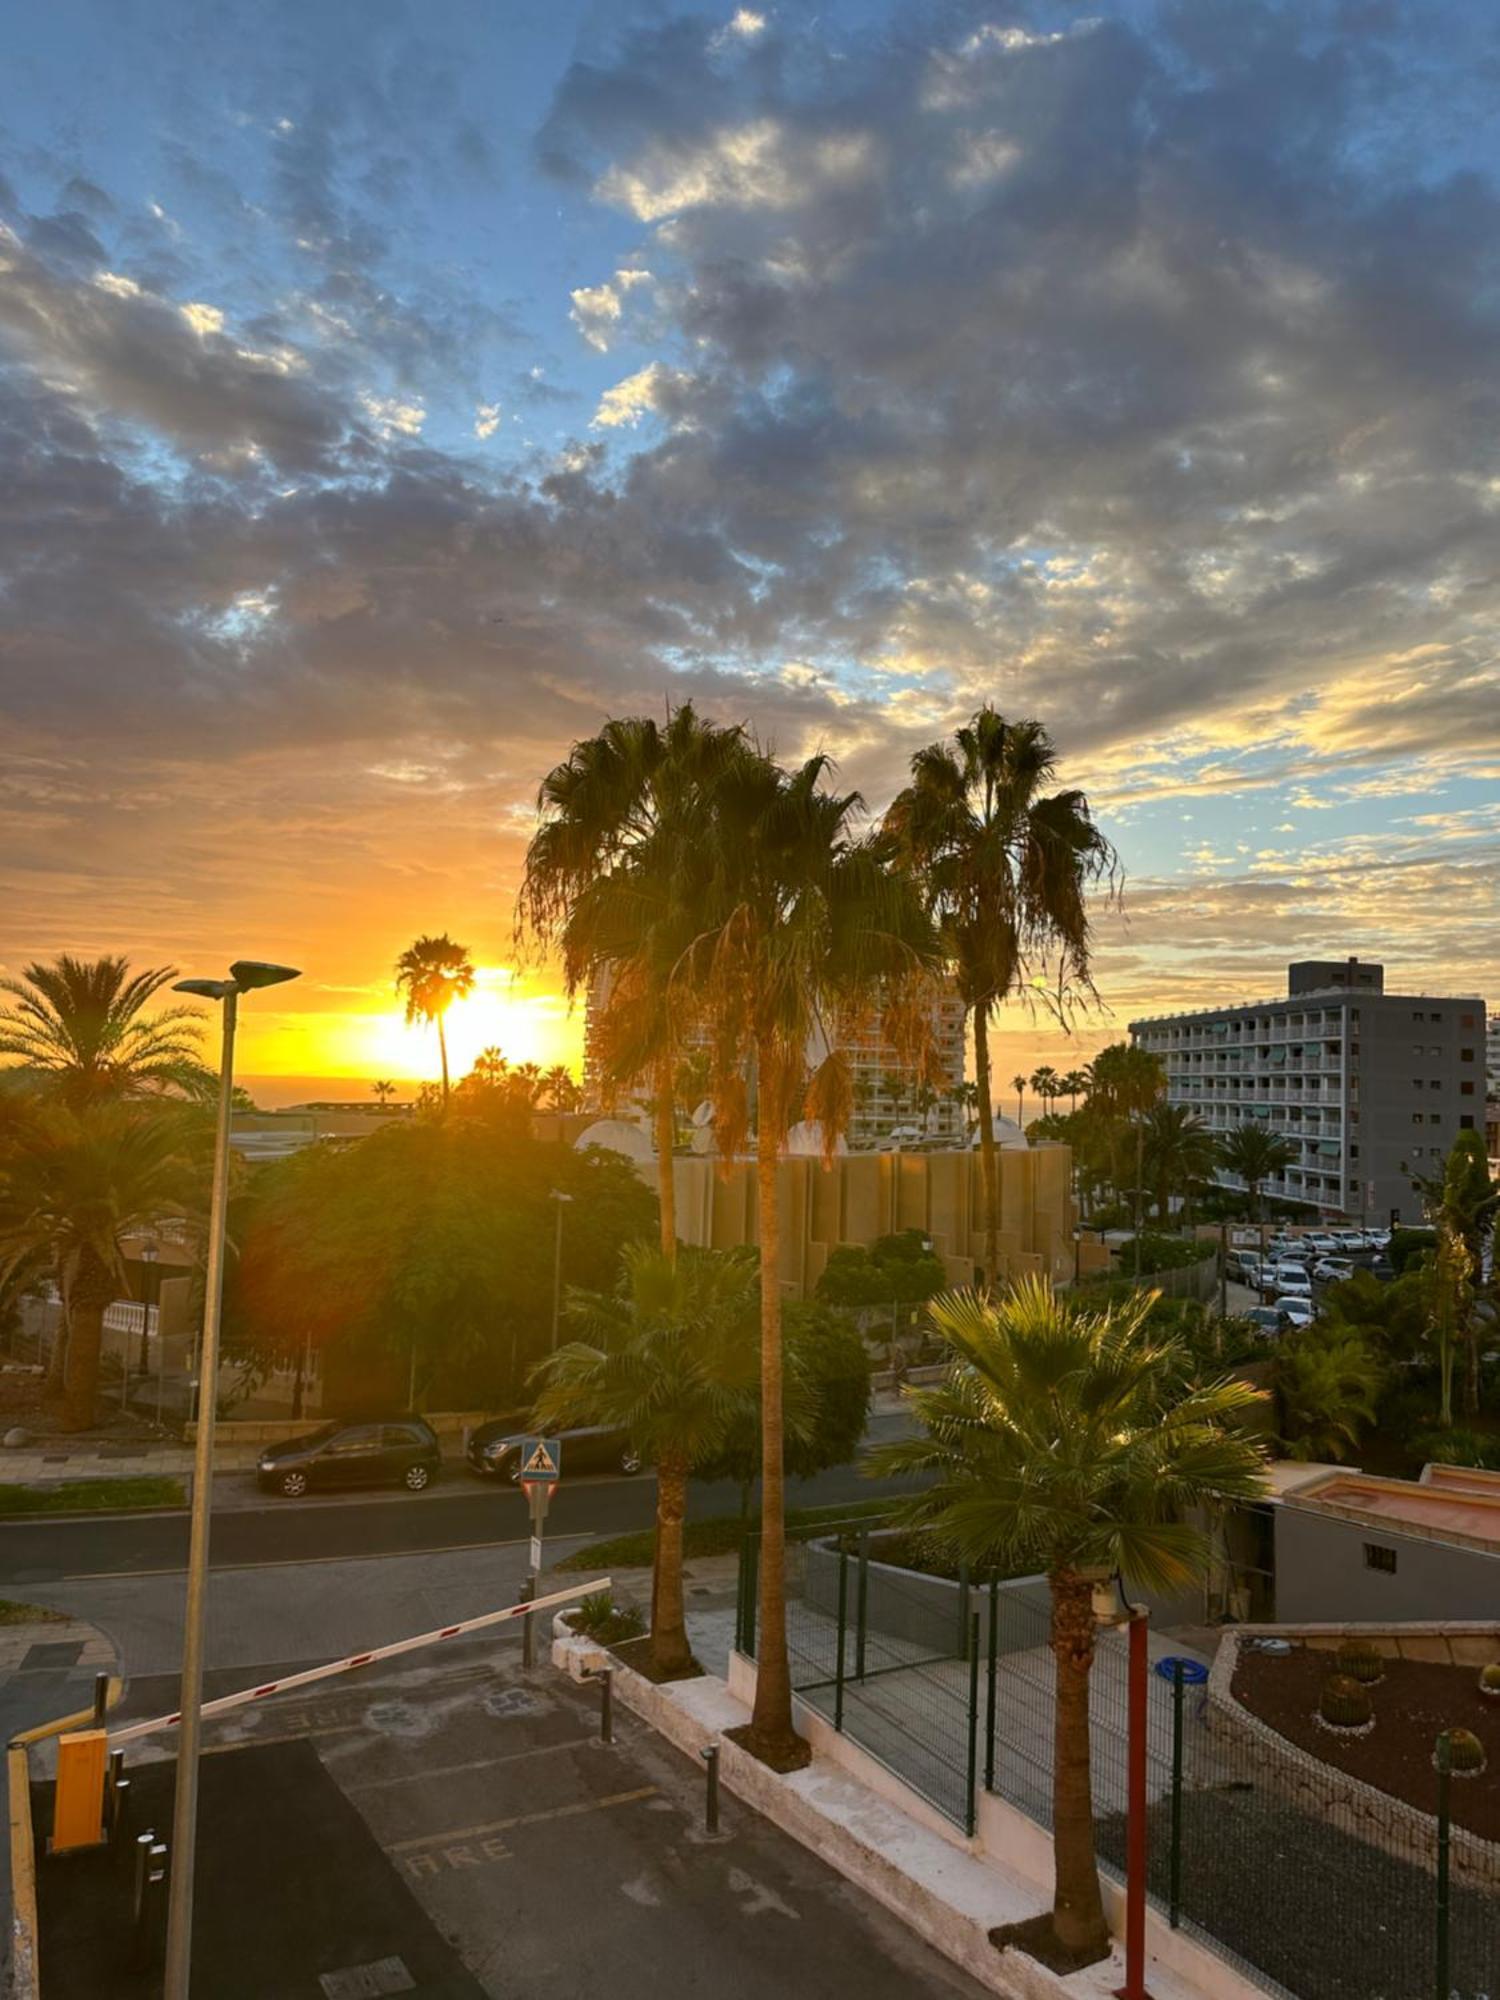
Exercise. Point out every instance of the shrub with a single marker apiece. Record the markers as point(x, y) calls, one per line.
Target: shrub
point(1456, 1447)
point(1466, 1757)
point(1489, 1680)
point(599, 1617)
point(1360, 1660)
point(1343, 1704)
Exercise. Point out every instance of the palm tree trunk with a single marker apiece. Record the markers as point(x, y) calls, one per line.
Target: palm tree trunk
point(988, 1163)
point(57, 1358)
point(670, 1651)
point(1077, 1908)
point(443, 1053)
point(666, 1137)
point(85, 1340)
point(771, 1735)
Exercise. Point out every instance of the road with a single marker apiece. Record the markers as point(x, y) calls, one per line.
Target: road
point(463, 1515)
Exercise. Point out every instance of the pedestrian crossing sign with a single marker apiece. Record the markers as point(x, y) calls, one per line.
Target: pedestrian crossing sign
point(541, 1459)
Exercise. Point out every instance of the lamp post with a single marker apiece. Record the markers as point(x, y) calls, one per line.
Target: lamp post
point(560, 1198)
point(148, 1253)
point(245, 976)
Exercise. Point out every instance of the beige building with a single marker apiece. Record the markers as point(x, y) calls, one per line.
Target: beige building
point(865, 1195)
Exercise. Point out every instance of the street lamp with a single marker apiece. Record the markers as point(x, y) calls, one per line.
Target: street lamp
point(560, 1198)
point(246, 975)
point(148, 1253)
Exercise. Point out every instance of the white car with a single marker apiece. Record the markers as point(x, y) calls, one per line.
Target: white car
point(1292, 1278)
point(1323, 1245)
point(1297, 1310)
point(1332, 1270)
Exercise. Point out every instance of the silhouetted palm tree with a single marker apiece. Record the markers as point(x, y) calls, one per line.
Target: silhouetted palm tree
point(431, 974)
point(79, 1027)
point(1254, 1154)
point(384, 1089)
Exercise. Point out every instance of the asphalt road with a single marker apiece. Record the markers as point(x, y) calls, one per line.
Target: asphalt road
point(461, 1513)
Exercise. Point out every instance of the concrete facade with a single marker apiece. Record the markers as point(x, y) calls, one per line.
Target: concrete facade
point(861, 1196)
point(1324, 1571)
point(1364, 1084)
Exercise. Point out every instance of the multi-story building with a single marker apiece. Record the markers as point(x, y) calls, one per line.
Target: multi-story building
point(1368, 1087)
point(891, 1099)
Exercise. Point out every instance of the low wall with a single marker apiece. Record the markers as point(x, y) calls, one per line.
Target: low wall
point(452, 1427)
point(929, 1611)
point(1321, 1790)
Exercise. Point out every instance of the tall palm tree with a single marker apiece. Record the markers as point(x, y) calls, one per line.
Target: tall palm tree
point(672, 1360)
point(1125, 1082)
point(1178, 1151)
point(384, 1090)
point(1462, 1203)
point(1046, 1083)
point(1254, 1154)
point(80, 1028)
point(1075, 1441)
point(75, 1180)
point(431, 974)
point(1074, 1084)
point(614, 881)
point(1018, 1085)
point(805, 924)
point(561, 1088)
point(1005, 866)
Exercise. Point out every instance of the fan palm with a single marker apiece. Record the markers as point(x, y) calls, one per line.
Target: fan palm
point(75, 1180)
point(561, 1087)
point(79, 1026)
point(1074, 1084)
point(384, 1090)
point(431, 974)
point(804, 925)
point(1018, 1085)
point(613, 881)
point(1254, 1154)
point(1178, 1151)
point(670, 1359)
point(1046, 1083)
point(1072, 1440)
point(1005, 867)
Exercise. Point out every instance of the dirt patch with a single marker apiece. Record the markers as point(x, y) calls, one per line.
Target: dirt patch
point(636, 1654)
point(781, 1754)
point(1413, 1704)
point(1039, 1940)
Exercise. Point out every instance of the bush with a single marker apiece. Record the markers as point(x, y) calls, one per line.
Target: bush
point(1408, 1245)
point(1466, 1758)
point(1489, 1680)
point(1456, 1447)
point(1360, 1659)
point(599, 1617)
point(1161, 1253)
point(1343, 1704)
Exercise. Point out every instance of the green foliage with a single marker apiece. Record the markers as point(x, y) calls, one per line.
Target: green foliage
point(719, 1535)
point(827, 1395)
point(893, 1270)
point(599, 1617)
point(1465, 1753)
point(1159, 1252)
point(90, 1496)
point(1410, 1246)
point(1360, 1660)
point(1255, 1155)
point(1343, 1703)
point(1327, 1382)
point(1457, 1447)
point(1391, 1317)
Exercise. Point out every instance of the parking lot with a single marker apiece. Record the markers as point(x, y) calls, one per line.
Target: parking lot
point(455, 1827)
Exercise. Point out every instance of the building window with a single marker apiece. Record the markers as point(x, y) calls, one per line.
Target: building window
point(1466, 1121)
point(1466, 1055)
point(1466, 1088)
point(1377, 1556)
point(1434, 1017)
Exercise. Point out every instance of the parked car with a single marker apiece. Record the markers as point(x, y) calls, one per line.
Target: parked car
point(1267, 1320)
point(1332, 1270)
point(495, 1448)
point(1297, 1311)
point(1287, 1278)
point(397, 1451)
point(1323, 1244)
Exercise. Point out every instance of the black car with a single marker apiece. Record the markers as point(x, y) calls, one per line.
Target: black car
point(495, 1449)
point(397, 1451)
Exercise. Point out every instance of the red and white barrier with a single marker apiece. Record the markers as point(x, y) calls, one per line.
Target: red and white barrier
point(132, 1731)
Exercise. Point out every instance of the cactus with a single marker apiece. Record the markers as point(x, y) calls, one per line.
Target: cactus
point(1489, 1681)
point(1466, 1757)
point(1343, 1704)
point(1360, 1660)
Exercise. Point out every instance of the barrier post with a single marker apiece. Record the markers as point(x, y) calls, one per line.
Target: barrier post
point(861, 1603)
point(989, 1699)
point(710, 1757)
point(838, 1671)
point(1174, 1890)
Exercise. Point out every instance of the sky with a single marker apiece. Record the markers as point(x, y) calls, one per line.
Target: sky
point(390, 392)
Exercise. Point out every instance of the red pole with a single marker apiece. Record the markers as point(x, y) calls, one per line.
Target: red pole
point(1135, 1836)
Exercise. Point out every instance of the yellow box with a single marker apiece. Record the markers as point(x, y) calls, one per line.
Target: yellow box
point(78, 1805)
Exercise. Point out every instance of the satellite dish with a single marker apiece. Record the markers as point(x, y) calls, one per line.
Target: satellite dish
point(805, 1141)
point(616, 1135)
point(704, 1115)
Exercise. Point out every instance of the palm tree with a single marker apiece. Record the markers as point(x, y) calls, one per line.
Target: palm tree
point(1178, 1151)
point(1018, 1085)
point(670, 1359)
point(1327, 1381)
point(75, 1180)
point(491, 1065)
point(79, 1027)
point(430, 975)
point(1461, 1202)
point(1046, 1083)
point(1074, 1084)
point(529, 1076)
point(805, 925)
point(384, 1090)
point(614, 882)
point(1254, 1154)
point(1075, 1441)
point(1005, 868)
point(1125, 1082)
point(561, 1087)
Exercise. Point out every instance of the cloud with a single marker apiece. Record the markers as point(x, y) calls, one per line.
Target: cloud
point(648, 392)
point(486, 419)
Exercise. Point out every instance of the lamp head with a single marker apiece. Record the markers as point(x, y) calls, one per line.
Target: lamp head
point(250, 973)
point(205, 989)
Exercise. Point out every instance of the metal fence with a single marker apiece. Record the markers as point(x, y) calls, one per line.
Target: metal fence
point(949, 1684)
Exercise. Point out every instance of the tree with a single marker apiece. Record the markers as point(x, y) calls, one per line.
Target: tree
point(1018, 1085)
point(1072, 1439)
point(1005, 868)
point(894, 1270)
point(1392, 1318)
point(1046, 1084)
point(805, 924)
point(561, 1089)
point(614, 881)
point(1327, 1381)
point(1178, 1150)
point(384, 1090)
point(431, 974)
point(1074, 1084)
point(671, 1359)
point(76, 1178)
point(80, 1027)
point(1254, 1154)
point(1462, 1204)
point(1125, 1083)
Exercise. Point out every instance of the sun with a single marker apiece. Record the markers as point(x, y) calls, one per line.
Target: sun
point(526, 1024)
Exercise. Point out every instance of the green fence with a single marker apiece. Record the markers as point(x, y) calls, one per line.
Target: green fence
point(949, 1683)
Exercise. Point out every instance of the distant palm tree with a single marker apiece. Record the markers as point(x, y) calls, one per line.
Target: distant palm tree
point(80, 1028)
point(1125, 1081)
point(1074, 1084)
point(1069, 1441)
point(529, 1076)
point(384, 1089)
point(672, 1360)
point(490, 1065)
point(1005, 867)
point(561, 1087)
point(1046, 1083)
point(1254, 1154)
point(1178, 1151)
point(1018, 1085)
point(431, 974)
